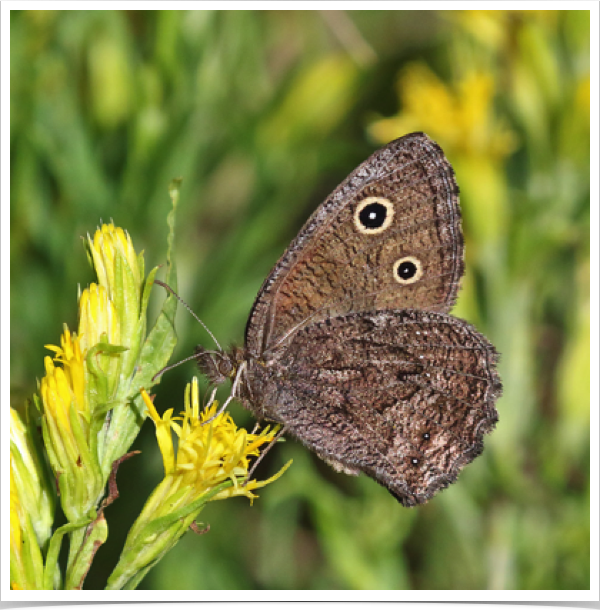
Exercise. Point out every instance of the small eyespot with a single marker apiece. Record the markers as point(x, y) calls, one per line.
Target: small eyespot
point(373, 215)
point(408, 270)
point(414, 461)
point(426, 436)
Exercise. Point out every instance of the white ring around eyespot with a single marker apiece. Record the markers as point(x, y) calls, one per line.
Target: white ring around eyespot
point(417, 276)
point(386, 203)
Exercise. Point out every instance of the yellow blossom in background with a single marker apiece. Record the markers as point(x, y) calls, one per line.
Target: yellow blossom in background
point(493, 28)
point(461, 117)
point(582, 95)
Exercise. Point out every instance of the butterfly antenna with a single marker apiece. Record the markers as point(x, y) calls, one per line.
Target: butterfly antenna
point(172, 366)
point(167, 287)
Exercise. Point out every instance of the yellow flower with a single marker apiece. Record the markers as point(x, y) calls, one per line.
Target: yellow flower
point(67, 426)
point(211, 463)
point(462, 118)
point(72, 375)
point(26, 563)
point(208, 454)
point(28, 476)
point(97, 315)
point(91, 373)
point(59, 397)
point(108, 243)
point(91, 412)
point(120, 272)
point(15, 516)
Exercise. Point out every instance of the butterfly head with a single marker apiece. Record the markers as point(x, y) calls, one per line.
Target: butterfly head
point(218, 365)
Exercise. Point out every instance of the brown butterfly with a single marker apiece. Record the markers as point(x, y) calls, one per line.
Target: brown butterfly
point(349, 343)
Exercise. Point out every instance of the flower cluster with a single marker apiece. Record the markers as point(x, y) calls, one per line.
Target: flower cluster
point(90, 408)
point(89, 374)
point(211, 462)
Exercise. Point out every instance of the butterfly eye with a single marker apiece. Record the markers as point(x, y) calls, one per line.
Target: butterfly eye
point(373, 215)
point(407, 270)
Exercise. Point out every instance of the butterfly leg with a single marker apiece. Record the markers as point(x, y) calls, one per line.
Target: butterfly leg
point(262, 455)
point(232, 394)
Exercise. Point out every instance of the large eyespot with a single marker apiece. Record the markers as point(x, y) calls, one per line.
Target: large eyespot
point(407, 270)
point(373, 215)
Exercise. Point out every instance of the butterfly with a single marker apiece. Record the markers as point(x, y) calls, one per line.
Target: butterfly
point(350, 345)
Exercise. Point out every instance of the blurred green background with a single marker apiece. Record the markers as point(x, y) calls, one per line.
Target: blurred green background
point(263, 114)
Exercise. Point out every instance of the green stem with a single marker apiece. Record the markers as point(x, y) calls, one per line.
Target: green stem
point(153, 540)
point(88, 540)
point(51, 567)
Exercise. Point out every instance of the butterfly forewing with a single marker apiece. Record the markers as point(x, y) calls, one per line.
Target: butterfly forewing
point(400, 204)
